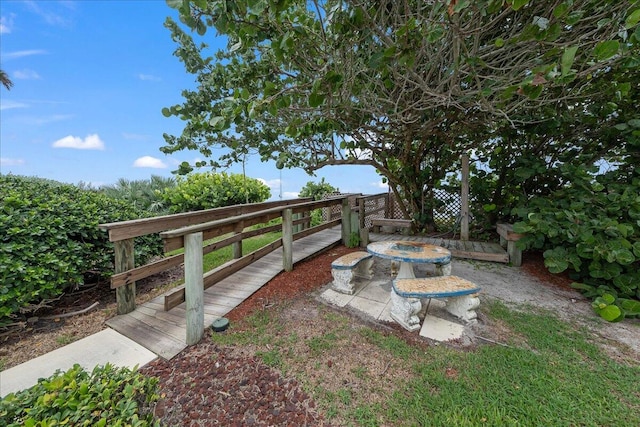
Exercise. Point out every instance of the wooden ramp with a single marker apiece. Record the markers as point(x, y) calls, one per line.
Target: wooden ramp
point(164, 332)
point(482, 251)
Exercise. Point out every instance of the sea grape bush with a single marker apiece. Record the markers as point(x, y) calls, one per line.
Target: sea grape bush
point(592, 229)
point(50, 241)
point(198, 191)
point(317, 191)
point(107, 396)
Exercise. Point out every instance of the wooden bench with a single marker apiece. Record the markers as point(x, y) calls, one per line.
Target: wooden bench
point(346, 268)
point(404, 224)
point(407, 296)
point(508, 239)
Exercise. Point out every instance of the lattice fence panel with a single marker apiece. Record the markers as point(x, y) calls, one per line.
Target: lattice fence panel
point(332, 212)
point(448, 207)
point(446, 213)
point(377, 206)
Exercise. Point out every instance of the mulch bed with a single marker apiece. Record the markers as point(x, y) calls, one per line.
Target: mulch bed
point(210, 386)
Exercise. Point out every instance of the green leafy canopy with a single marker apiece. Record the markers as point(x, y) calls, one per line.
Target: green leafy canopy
point(405, 87)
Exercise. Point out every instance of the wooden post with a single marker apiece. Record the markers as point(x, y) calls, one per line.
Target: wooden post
point(346, 221)
point(297, 227)
point(124, 261)
point(194, 287)
point(464, 199)
point(287, 239)
point(362, 230)
point(237, 246)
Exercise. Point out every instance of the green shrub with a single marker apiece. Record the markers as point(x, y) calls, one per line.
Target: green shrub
point(50, 239)
point(198, 191)
point(592, 229)
point(317, 191)
point(108, 396)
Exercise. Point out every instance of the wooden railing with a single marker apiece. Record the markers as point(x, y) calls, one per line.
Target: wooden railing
point(213, 223)
point(123, 233)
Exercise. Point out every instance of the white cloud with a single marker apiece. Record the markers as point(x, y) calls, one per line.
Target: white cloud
point(90, 142)
point(149, 77)
point(50, 17)
point(149, 162)
point(380, 184)
point(5, 161)
point(290, 195)
point(6, 24)
point(272, 183)
point(26, 74)
point(23, 53)
point(362, 154)
point(6, 104)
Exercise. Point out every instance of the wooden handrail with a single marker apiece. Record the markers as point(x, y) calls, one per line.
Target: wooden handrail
point(139, 227)
point(173, 239)
point(297, 208)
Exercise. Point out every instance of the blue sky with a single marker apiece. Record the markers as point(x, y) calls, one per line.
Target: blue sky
point(90, 80)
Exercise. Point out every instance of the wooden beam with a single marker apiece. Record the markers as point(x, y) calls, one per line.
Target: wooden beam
point(194, 290)
point(287, 240)
point(134, 274)
point(237, 245)
point(139, 227)
point(346, 221)
point(124, 261)
point(250, 218)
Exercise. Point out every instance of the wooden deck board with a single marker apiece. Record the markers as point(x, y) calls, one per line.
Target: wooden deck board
point(155, 341)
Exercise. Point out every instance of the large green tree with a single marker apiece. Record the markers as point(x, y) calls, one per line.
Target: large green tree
point(405, 86)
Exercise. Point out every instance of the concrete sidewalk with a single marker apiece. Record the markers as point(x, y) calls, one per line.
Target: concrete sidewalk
point(107, 346)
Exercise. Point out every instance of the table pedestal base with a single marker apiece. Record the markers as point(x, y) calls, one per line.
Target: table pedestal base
point(464, 307)
point(443, 269)
point(405, 311)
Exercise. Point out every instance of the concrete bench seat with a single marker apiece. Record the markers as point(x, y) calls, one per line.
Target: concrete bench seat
point(346, 268)
point(407, 296)
point(376, 223)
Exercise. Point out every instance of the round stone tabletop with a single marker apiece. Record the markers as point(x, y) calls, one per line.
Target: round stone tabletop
point(411, 252)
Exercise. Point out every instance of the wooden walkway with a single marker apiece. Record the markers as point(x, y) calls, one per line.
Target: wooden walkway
point(164, 332)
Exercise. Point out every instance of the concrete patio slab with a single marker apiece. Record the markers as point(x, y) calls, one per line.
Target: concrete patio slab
point(367, 306)
point(336, 298)
point(376, 290)
point(439, 329)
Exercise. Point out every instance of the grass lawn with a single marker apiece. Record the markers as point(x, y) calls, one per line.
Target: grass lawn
point(549, 373)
